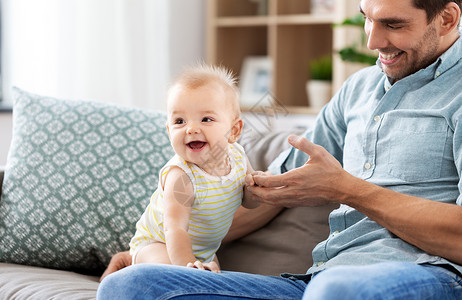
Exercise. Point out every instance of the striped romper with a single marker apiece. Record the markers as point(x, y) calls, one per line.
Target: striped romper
point(216, 199)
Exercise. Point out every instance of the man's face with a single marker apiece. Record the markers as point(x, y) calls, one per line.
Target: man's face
point(402, 35)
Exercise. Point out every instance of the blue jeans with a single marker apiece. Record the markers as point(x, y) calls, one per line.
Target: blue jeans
point(379, 281)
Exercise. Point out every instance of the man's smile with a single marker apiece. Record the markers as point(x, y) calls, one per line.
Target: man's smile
point(390, 58)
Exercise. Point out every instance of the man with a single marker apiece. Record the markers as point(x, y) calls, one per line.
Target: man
point(388, 148)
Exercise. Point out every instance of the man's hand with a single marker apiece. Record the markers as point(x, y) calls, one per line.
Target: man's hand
point(313, 184)
point(429, 225)
point(118, 261)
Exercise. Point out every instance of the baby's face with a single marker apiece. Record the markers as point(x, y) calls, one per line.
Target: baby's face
point(200, 123)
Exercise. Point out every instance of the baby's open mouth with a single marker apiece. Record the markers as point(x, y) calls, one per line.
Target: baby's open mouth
point(196, 145)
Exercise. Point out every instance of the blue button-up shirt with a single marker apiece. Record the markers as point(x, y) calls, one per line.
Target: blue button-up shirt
point(406, 137)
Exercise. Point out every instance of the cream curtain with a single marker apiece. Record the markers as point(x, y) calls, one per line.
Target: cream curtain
point(117, 51)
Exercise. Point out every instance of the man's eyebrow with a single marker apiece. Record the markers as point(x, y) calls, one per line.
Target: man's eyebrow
point(395, 20)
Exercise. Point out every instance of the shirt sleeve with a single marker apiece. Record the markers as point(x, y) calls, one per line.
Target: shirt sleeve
point(240, 155)
point(457, 144)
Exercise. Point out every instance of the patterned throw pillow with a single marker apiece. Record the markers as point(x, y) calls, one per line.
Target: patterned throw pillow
point(79, 175)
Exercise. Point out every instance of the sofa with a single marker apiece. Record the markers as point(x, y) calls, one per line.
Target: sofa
point(78, 176)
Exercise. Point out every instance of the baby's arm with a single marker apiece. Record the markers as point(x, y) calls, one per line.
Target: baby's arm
point(249, 201)
point(178, 199)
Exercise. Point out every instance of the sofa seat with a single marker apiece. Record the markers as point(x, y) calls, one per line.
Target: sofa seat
point(26, 282)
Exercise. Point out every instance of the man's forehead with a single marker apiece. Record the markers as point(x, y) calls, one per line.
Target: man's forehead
point(387, 5)
point(389, 11)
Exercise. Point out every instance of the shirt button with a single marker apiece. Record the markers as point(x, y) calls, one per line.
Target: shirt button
point(320, 263)
point(367, 166)
point(377, 118)
point(438, 73)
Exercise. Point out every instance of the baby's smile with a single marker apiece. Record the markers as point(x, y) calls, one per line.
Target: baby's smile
point(196, 145)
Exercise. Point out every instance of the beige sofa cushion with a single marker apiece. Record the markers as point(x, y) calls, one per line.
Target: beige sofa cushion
point(284, 244)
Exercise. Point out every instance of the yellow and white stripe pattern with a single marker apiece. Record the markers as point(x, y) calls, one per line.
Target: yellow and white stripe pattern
point(216, 200)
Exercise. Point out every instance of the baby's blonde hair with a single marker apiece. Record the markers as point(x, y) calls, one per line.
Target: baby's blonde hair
point(202, 74)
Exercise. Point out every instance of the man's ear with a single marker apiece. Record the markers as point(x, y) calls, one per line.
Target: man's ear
point(235, 132)
point(450, 18)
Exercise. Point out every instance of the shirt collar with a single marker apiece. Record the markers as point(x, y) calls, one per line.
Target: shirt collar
point(449, 58)
point(387, 84)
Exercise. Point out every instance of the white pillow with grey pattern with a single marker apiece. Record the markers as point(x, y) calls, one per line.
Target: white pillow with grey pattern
point(78, 176)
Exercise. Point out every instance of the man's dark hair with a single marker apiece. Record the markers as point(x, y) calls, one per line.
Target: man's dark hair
point(434, 7)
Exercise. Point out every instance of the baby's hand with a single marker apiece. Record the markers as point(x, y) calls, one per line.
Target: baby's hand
point(211, 266)
point(249, 177)
point(249, 180)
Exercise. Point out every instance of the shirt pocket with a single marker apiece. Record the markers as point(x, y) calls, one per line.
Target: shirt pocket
point(417, 148)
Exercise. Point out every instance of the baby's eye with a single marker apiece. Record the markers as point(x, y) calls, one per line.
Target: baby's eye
point(178, 121)
point(207, 119)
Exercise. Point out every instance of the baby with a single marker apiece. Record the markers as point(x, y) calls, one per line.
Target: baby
point(202, 186)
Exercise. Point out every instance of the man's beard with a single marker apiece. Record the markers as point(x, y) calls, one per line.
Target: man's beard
point(429, 43)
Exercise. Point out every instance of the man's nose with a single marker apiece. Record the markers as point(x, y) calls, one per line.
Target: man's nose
point(376, 37)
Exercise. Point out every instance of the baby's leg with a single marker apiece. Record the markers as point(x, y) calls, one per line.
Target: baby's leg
point(153, 253)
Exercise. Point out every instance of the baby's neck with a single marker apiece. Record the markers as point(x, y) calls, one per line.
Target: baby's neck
point(217, 168)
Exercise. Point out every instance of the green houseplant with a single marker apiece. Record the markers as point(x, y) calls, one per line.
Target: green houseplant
point(321, 68)
point(319, 86)
point(354, 53)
